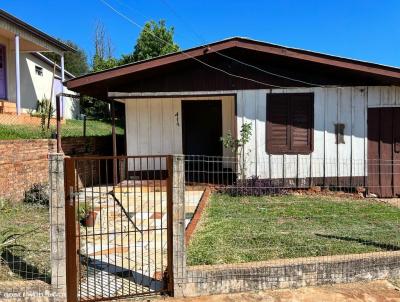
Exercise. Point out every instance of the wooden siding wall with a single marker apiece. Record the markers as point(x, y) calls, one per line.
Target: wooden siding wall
point(152, 129)
point(152, 126)
point(347, 105)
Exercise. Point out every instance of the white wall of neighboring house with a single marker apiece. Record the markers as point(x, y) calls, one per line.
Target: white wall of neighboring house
point(33, 86)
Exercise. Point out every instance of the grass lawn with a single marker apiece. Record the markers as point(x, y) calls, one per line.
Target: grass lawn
point(244, 229)
point(33, 221)
point(71, 128)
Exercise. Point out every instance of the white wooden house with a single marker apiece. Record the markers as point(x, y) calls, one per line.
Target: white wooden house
point(316, 118)
point(26, 75)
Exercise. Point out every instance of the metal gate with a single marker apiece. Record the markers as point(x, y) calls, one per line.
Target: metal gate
point(118, 234)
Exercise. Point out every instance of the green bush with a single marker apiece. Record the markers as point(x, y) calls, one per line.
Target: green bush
point(38, 194)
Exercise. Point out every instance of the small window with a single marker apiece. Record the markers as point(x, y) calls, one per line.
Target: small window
point(290, 123)
point(39, 70)
point(339, 131)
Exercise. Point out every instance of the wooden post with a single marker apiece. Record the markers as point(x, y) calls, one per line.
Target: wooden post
point(114, 144)
point(58, 124)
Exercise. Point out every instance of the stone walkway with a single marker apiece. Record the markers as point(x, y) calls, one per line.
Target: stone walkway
point(125, 252)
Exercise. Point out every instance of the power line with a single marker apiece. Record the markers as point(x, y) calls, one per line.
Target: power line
point(171, 8)
point(135, 11)
point(184, 53)
point(231, 58)
point(267, 72)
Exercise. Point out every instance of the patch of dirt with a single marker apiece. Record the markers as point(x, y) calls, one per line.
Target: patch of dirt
point(375, 291)
point(318, 191)
point(392, 201)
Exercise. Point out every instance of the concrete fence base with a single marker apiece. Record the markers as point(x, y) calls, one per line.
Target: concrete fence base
point(290, 273)
point(57, 226)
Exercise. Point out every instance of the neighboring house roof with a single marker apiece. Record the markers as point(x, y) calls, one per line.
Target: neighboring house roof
point(294, 61)
point(51, 63)
point(34, 31)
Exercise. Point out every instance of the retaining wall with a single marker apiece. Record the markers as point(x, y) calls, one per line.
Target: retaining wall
point(25, 162)
point(291, 273)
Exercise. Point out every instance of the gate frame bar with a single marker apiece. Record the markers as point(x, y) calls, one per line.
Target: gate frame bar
point(72, 250)
point(170, 227)
point(70, 232)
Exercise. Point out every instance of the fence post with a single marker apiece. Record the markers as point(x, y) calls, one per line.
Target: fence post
point(57, 225)
point(176, 225)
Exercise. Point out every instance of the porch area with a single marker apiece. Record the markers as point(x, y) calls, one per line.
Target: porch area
point(18, 40)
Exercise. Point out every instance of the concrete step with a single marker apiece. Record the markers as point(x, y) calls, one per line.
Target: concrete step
point(7, 107)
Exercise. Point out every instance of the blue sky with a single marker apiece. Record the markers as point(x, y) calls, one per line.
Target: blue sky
point(367, 30)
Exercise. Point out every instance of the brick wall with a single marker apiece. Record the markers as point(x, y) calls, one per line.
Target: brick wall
point(99, 145)
point(23, 163)
point(91, 172)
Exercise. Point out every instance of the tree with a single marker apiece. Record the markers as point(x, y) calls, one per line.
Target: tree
point(102, 59)
point(75, 62)
point(103, 54)
point(154, 40)
point(238, 145)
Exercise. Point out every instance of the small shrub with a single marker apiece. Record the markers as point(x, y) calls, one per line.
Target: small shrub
point(4, 203)
point(38, 194)
point(8, 241)
point(237, 146)
point(82, 211)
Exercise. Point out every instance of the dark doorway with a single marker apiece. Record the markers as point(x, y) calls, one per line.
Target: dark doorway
point(202, 127)
point(384, 151)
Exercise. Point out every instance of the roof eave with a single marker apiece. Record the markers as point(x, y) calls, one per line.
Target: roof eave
point(33, 30)
point(245, 43)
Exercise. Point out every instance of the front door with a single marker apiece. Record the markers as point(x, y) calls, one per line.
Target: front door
point(384, 151)
point(202, 127)
point(3, 82)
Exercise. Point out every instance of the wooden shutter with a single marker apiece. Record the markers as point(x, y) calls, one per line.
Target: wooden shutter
point(302, 117)
point(290, 123)
point(278, 131)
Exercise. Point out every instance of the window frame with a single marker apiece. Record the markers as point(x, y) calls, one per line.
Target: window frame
point(39, 70)
point(271, 149)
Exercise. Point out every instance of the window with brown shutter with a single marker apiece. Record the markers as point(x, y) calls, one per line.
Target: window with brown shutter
point(290, 123)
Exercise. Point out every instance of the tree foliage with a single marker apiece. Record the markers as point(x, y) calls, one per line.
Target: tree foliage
point(154, 40)
point(101, 60)
point(74, 62)
point(103, 52)
point(237, 145)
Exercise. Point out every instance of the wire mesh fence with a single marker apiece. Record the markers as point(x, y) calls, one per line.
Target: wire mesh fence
point(120, 218)
point(25, 236)
point(278, 220)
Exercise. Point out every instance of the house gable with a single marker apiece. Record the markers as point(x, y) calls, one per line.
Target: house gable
point(208, 68)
